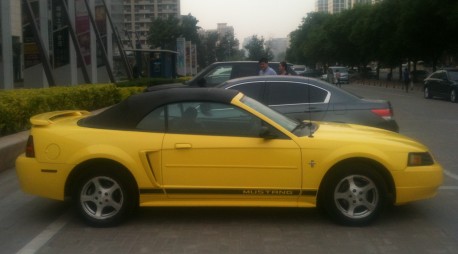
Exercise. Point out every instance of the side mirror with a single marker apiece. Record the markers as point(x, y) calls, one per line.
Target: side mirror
point(266, 133)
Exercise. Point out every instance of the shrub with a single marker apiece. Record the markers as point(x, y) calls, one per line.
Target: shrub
point(17, 106)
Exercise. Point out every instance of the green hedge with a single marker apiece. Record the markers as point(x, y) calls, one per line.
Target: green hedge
point(17, 106)
point(145, 82)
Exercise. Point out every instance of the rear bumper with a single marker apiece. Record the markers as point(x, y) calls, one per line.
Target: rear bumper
point(41, 179)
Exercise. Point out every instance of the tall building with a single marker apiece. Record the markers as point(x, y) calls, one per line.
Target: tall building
point(138, 16)
point(223, 29)
point(10, 38)
point(336, 6)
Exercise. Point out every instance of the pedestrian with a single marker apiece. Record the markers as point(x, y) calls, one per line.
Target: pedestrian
point(264, 68)
point(337, 78)
point(406, 78)
point(412, 80)
point(283, 68)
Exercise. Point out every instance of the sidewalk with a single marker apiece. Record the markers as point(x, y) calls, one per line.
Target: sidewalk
point(395, 84)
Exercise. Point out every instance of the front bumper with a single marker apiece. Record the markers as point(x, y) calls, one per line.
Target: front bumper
point(417, 183)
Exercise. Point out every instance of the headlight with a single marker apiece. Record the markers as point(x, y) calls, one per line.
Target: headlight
point(420, 159)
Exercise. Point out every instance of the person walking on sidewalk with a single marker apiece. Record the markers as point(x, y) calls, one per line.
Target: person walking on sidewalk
point(337, 78)
point(406, 78)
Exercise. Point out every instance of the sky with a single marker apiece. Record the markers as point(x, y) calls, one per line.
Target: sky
point(266, 18)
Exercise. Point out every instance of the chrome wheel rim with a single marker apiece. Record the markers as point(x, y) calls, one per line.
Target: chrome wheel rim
point(101, 197)
point(356, 196)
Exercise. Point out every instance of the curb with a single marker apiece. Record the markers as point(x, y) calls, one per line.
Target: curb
point(11, 147)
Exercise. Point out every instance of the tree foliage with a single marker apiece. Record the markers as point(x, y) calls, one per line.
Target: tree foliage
point(164, 32)
point(227, 48)
point(256, 49)
point(389, 32)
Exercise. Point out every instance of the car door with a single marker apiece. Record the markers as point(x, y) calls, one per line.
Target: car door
point(297, 100)
point(225, 157)
point(435, 81)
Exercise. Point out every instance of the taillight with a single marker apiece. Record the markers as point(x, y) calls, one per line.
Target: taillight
point(385, 113)
point(30, 148)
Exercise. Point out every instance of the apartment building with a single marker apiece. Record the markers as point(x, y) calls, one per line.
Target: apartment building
point(138, 15)
point(336, 6)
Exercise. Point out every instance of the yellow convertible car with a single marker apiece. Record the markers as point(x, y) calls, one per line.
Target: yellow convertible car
point(216, 147)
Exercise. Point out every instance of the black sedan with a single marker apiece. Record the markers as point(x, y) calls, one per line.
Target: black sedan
point(442, 83)
point(312, 99)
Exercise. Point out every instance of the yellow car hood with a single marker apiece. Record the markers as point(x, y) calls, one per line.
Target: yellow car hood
point(352, 133)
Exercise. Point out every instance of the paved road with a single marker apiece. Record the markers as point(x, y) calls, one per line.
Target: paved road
point(30, 224)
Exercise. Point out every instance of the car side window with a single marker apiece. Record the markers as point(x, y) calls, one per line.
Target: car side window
point(218, 75)
point(154, 121)
point(443, 76)
point(279, 93)
point(244, 70)
point(209, 118)
point(254, 90)
point(436, 75)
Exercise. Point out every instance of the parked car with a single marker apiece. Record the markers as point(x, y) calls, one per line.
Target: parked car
point(344, 76)
point(312, 73)
point(299, 69)
point(219, 72)
point(217, 147)
point(307, 98)
point(442, 83)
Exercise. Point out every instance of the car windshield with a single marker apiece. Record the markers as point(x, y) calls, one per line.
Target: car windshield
point(280, 119)
point(453, 75)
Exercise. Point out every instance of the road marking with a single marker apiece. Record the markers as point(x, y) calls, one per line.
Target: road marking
point(450, 174)
point(40, 240)
point(448, 188)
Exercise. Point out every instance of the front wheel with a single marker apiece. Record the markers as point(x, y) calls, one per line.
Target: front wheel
point(427, 93)
point(104, 199)
point(453, 96)
point(354, 197)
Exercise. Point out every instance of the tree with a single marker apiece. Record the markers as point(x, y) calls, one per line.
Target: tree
point(163, 33)
point(189, 28)
point(207, 48)
point(227, 48)
point(256, 49)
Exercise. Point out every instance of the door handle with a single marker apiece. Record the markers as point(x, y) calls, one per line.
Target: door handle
point(183, 146)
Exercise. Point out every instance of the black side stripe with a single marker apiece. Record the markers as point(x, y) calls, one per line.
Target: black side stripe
point(248, 192)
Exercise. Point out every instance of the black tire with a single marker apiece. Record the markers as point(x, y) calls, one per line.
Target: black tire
point(453, 96)
point(427, 93)
point(354, 195)
point(104, 199)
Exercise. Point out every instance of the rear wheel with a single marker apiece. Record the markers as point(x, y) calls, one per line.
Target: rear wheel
point(354, 196)
point(104, 199)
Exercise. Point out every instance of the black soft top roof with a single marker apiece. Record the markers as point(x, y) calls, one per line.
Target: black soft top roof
point(127, 114)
